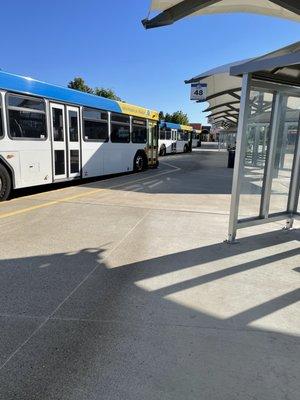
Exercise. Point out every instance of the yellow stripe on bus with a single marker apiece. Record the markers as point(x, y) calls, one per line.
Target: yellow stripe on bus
point(137, 111)
point(186, 127)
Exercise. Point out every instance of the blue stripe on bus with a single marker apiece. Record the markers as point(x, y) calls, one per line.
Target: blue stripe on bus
point(169, 125)
point(31, 86)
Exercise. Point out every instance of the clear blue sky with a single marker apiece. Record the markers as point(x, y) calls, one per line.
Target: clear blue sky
point(105, 43)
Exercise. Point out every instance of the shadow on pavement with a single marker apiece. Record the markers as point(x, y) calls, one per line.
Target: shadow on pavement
point(113, 339)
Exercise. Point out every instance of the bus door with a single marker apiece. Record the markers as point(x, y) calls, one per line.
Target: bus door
point(174, 140)
point(65, 141)
point(152, 143)
point(190, 136)
point(73, 142)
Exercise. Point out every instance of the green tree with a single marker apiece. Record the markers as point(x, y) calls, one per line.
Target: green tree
point(168, 117)
point(108, 93)
point(161, 116)
point(78, 84)
point(178, 117)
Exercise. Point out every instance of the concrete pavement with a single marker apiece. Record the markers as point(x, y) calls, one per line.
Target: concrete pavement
point(123, 289)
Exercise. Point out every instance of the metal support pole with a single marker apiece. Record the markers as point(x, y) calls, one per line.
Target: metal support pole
point(266, 138)
point(284, 145)
point(271, 154)
point(260, 108)
point(255, 147)
point(241, 141)
point(295, 183)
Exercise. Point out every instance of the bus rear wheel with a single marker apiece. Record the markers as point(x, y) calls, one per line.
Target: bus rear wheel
point(5, 183)
point(139, 162)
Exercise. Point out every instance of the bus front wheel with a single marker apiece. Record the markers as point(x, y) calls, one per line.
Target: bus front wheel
point(139, 162)
point(5, 183)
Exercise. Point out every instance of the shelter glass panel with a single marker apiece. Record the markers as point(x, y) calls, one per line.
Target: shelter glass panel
point(288, 133)
point(257, 138)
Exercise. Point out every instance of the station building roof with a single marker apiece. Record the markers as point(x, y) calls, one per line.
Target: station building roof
point(174, 10)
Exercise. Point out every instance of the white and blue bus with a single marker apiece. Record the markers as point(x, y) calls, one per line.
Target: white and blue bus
point(174, 138)
point(51, 134)
point(196, 138)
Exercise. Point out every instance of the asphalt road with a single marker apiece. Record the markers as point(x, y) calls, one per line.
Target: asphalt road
point(122, 288)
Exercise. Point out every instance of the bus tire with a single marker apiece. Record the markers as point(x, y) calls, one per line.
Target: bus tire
point(185, 149)
point(5, 183)
point(162, 151)
point(140, 162)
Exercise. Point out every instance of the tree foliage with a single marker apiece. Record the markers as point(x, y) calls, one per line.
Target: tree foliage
point(78, 83)
point(178, 117)
point(168, 117)
point(161, 116)
point(108, 93)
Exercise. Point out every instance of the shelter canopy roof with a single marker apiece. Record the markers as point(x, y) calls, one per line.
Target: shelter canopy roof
point(224, 82)
point(223, 92)
point(281, 66)
point(173, 10)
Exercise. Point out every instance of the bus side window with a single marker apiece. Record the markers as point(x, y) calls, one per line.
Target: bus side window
point(95, 125)
point(139, 131)
point(120, 128)
point(27, 117)
point(179, 135)
point(162, 134)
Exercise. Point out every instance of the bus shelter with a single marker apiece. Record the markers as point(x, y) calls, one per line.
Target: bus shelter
point(267, 168)
point(255, 105)
point(266, 175)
